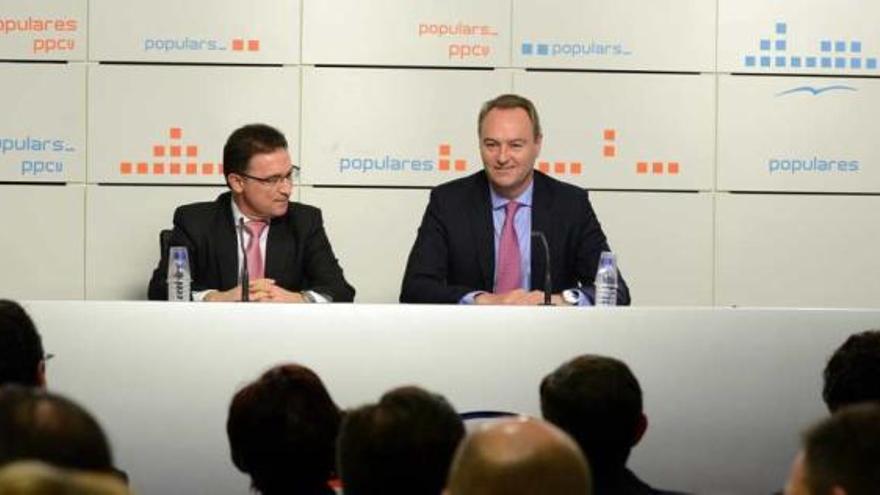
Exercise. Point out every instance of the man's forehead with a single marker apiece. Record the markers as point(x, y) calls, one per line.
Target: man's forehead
point(501, 122)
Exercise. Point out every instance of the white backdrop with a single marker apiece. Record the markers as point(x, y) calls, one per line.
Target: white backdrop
point(717, 180)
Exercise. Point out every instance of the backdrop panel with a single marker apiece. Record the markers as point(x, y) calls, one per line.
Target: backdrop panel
point(393, 126)
point(43, 245)
point(803, 250)
point(43, 128)
point(625, 131)
point(174, 130)
point(43, 29)
point(215, 31)
point(402, 32)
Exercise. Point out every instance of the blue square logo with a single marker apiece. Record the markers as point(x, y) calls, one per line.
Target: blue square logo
point(750, 61)
point(855, 47)
point(765, 45)
point(765, 61)
point(826, 62)
point(825, 46)
point(526, 48)
point(840, 63)
point(543, 49)
point(871, 63)
point(780, 45)
point(795, 61)
point(855, 63)
point(780, 28)
point(840, 46)
point(780, 61)
point(811, 61)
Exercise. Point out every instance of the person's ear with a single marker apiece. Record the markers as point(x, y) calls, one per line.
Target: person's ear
point(641, 428)
point(41, 374)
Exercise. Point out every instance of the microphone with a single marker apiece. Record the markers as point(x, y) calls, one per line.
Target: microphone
point(548, 284)
point(245, 277)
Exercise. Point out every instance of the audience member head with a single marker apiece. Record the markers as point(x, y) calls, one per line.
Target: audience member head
point(597, 400)
point(520, 456)
point(22, 360)
point(282, 430)
point(840, 455)
point(402, 445)
point(36, 424)
point(36, 478)
point(852, 374)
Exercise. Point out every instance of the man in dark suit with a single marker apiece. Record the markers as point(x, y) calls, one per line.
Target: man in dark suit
point(288, 253)
point(475, 243)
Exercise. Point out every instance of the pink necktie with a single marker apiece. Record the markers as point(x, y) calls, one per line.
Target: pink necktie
point(254, 257)
point(509, 273)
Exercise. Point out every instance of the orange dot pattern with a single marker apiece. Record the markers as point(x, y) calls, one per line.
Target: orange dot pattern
point(178, 151)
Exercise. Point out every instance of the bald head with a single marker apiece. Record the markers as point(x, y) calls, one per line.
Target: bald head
point(522, 456)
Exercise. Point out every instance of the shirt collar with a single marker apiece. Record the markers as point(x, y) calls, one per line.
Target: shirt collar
point(524, 199)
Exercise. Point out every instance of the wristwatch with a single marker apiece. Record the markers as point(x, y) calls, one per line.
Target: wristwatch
point(571, 296)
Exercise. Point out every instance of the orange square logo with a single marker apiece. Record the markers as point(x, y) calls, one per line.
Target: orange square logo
point(608, 134)
point(559, 167)
point(125, 168)
point(444, 150)
point(143, 169)
point(174, 168)
point(175, 133)
point(672, 168)
point(207, 168)
point(544, 167)
point(253, 45)
point(642, 168)
point(175, 150)
point(608, 151)
point(192, 151)
point(192, 169)
point(237, 45)
point(443, 164)
point(576, 168)
point(657, 167)
point(158, 168)
point(158, 150)
point(460, 165)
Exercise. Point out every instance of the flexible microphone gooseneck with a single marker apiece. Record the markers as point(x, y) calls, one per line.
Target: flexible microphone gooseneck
point(548, 283)
point(245, 276)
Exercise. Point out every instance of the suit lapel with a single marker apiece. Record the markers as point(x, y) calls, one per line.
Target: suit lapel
point(483, 229)
point(227, 244)
point(280, 249)
point(542, 220)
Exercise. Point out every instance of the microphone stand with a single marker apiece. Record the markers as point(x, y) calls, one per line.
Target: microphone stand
point(245, 276)
point(548, 284)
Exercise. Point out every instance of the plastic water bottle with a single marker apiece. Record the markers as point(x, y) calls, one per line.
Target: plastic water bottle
point(606, 280)
point(178, 274)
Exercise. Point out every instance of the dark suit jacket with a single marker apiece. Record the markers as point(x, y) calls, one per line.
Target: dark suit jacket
point(454, 253)
point(298, 254)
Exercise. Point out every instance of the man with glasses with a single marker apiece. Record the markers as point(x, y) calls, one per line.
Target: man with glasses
point(288, 255)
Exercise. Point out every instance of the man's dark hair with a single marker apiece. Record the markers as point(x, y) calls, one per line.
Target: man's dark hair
point(282, 431)
point(852, 374)
point(402, 445)
point(36, 424)
point(21, 348)
point(247, 141)
point(598, 401)
point(844, 450)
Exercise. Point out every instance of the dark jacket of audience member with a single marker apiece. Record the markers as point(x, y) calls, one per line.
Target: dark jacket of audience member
point(852, 375)
point(282, 431)
point(36, 424)
point(598, 401)
point(21, 348)
point(402, 445)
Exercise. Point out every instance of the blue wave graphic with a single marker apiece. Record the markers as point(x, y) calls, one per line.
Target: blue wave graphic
point(817, 91)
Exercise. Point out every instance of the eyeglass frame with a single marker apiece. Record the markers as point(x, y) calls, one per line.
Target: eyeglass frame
point(275, 180)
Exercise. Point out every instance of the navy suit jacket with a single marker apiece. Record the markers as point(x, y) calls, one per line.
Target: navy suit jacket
point(298, 253)
point(454, 252)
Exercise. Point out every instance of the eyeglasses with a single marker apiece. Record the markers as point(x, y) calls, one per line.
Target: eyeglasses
point(290, 177)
